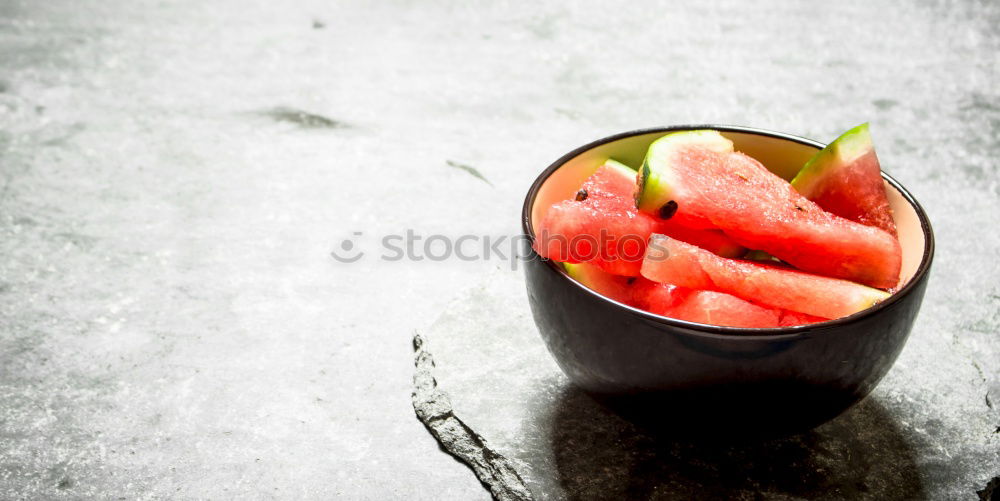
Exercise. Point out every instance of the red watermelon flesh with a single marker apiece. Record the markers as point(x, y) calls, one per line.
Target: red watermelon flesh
point(616, 183)
point(655, 297)
point(715, 187)
point(706, 307)
point(713, 308)
point(792, 318)
point(610, 239)
point(718, 308)
point(845, 178)
point(603, 227)
point(672, 261)
point(613, 181)
point(711, 240)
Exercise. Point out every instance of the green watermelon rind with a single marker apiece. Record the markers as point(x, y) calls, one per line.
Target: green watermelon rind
point(656, 183)
point(578, 272)
point(621, 168)
point(596, 280)
point(841, 152)
point(759, 255)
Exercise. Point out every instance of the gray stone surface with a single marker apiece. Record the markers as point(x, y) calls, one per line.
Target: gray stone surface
point(433, 408)
point(925, 433)
point(176, 174)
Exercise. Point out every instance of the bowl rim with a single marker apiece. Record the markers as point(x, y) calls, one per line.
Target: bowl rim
point(718, 331)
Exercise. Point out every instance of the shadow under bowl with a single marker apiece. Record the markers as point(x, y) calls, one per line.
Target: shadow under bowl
point(651, 367)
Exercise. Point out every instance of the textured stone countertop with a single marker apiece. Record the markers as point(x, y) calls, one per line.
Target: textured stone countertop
point(175, 175)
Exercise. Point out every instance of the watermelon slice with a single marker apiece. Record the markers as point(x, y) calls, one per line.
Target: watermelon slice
point(710, 239)
point(671, 261)
point(845, 179)
point(615, 287)
point(602, 226)
point(714, 241)
point(706, 307)
point(613, 181)
point(705, 184)
point(717, 308)
point(655, 297)
point(710, 307)
point(791, 318)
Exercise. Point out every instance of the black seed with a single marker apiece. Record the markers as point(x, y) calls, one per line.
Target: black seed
point(581, 195)
point(799, 208)
point(668, 210)
point(631, 280)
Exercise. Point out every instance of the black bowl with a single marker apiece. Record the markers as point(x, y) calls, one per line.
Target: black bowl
point(673, 371)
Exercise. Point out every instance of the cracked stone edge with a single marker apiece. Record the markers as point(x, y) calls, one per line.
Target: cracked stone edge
point(992, 490)
point(433, 408)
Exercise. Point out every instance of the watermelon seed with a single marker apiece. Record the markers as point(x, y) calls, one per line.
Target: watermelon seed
point(581, 195)
point(630, 281)
point(799, 208)
point(668, 210)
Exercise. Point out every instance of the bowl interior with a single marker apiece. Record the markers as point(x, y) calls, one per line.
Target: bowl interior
point(783, 156)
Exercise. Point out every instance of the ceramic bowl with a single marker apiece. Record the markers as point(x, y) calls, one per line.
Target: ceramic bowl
point(673, 370)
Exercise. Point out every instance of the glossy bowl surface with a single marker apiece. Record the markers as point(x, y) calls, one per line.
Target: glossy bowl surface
point(673, 370)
